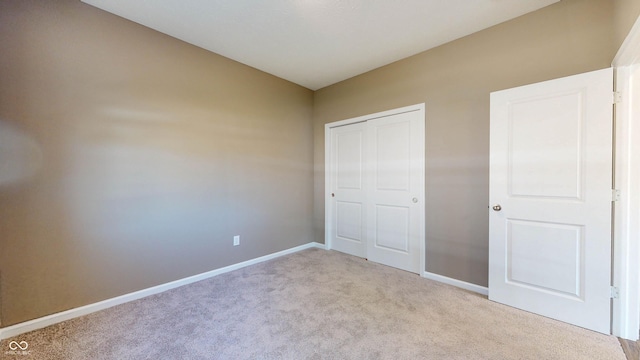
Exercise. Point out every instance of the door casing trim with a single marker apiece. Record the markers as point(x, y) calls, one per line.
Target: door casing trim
point(626, 235)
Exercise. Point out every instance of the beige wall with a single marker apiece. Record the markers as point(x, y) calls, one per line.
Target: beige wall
point(130, 159)
point(454, 80)
point(625, 14)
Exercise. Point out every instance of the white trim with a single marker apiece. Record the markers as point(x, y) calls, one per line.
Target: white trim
point(363, 118)
point(629, 54)
point(457, 283)
point(48, 320)
point(626, 249)
point(327, 170)
point(423, 191)
point(327, 186)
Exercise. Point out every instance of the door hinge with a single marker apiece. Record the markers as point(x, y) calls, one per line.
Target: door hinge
point(615, 195)
point(615, 293)
point(617, 97)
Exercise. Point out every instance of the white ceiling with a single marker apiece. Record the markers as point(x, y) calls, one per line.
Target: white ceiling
point(316, 43)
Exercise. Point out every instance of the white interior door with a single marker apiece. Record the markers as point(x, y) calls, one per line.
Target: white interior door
point(348, 193)
point(396, 158)
point(375, 187)
point(550, 192)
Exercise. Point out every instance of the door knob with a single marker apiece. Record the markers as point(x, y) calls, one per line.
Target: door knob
point(333, 195)
point(414, 200)
point(497, 207)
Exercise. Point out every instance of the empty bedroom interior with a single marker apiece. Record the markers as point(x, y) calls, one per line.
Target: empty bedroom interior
point(141, 156)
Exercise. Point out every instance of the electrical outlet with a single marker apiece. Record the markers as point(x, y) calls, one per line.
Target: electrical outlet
point(236, 240)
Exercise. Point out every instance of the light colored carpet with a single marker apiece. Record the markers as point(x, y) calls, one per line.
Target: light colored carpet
point(315, 304)
point(631, 349)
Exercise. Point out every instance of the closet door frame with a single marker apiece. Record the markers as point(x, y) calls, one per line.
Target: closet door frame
point(420, 108)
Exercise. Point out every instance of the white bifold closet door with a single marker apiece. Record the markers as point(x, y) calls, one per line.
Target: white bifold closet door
point(376, 188)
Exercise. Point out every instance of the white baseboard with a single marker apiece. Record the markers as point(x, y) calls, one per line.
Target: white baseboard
point(48, 320)
point(457, 283)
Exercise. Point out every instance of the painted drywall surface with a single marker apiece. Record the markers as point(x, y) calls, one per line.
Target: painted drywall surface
point(454, 80)
point(130, 159)
point(626, 13)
